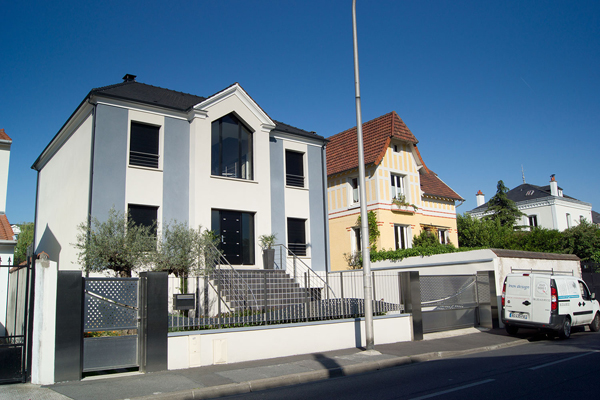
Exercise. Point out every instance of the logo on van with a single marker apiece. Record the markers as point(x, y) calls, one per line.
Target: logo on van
point(542, 288)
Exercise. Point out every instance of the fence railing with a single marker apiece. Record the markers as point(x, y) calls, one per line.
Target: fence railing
point(295, 267)
point(280, 300)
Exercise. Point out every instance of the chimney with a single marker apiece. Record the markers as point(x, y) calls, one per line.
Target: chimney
point(480, 198)
point(129, 78)
point(553, 186)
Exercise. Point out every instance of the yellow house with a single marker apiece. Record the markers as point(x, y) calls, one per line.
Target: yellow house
point(406, 196)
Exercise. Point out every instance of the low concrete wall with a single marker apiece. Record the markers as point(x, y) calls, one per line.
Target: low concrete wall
point(223, 346)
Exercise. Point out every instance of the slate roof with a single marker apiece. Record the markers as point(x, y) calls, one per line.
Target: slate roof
point(595, 217)
point(6, 232)
point(4, 136)
point(526, 192)
point(140, 92)
point(342, 151)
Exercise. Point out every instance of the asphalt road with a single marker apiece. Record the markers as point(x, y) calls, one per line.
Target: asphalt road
point(544, 368)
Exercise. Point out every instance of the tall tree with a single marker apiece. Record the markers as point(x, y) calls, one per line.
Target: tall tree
point(502, 208)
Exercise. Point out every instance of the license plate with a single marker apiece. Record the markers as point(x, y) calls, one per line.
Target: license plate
point(518, 315)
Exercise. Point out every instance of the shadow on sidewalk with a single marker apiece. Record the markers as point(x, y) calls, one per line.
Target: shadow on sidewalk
point(332, 366)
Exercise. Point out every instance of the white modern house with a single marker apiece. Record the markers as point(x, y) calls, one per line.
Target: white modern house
point(220, 162)
point(544, 206)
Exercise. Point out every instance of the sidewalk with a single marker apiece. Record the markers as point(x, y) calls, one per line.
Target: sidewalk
point(222, 380)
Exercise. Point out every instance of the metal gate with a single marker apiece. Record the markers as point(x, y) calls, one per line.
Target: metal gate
point(15, 323)
point(111, 324)
point(448, 302)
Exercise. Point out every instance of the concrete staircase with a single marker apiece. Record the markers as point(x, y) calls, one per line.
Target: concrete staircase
point(245, 289)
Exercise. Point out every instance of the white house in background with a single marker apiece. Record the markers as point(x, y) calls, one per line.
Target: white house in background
point(219, 161)
point(543, 206)
point(7, 237)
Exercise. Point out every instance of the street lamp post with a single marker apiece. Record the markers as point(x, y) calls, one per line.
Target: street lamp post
point(364, 220)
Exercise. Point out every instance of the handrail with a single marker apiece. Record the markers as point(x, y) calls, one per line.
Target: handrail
point(221, 260)
point(298, 268)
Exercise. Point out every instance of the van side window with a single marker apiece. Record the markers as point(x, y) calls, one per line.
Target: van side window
point(585, 294)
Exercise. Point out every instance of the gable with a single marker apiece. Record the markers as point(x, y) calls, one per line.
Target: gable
point(342, 150)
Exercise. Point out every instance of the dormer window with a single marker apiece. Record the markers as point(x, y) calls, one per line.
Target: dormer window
point(231, 148)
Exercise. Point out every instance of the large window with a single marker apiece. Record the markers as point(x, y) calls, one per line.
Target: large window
point(402, 236)
point(144, 145)
point(398, 187)
point(294, 168)
point(231, 148)
point(296, 230)
point(236, 232)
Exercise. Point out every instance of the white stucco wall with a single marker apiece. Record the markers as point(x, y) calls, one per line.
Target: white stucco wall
point(4, 162)
point(187, 350)
point(63, 196)
point(209, 192)
point(44, 323)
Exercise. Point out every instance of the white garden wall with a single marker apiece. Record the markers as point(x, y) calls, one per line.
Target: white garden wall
point(224, 346)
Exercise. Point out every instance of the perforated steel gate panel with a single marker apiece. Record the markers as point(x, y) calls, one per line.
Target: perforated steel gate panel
point(448, 302)
point(111, 304)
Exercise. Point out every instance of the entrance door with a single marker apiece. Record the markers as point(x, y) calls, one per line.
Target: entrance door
point(231, 236)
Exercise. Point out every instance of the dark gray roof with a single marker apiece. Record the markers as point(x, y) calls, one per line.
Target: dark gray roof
point(595, 217)
point(148, 94)
point(525, 192)
point(154, 95)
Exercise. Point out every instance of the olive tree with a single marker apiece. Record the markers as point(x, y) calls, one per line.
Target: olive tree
point(117, 244)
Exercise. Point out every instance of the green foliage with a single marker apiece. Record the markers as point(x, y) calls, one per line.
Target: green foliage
point(426, 239)
point(354, 260)
point(117, 244)
point(422, 251)
point(23, 242)
point(582, 240)
point(400, 200)
point(502, 208)
point(182, 250)
point(488, 233)
point(267, 241)
point(373, 229)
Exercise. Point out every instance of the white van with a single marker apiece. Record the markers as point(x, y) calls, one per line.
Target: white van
point(548, 302)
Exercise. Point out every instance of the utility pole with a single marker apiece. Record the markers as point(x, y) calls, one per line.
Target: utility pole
point(364, 219)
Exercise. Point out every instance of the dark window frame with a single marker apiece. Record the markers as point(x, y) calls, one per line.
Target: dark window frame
point(144, 145)
point(294, 168)
point(244, 135)
point(296, 236)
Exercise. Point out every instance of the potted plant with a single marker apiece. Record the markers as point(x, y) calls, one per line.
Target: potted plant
point(402, 204)
point(266, 242)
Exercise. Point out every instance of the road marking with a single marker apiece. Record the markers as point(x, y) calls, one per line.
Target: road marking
point(566, 359)
point(453, 390)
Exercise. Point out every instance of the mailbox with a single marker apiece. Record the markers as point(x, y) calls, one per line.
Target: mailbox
point(183, 301)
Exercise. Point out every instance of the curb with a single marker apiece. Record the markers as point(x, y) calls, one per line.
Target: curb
point(318, 375)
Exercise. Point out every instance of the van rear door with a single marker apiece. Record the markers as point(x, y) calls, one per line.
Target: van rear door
point(541, 299)
point(518, 299)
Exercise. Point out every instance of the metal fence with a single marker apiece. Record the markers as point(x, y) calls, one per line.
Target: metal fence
point(276, 298)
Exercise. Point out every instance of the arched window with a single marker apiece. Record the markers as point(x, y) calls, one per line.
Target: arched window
point(231, 148)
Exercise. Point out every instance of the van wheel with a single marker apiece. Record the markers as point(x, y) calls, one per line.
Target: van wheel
point(511, 330)
point(595, 325)
point(565, 330)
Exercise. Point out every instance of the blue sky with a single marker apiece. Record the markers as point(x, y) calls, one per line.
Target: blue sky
point(485, 86)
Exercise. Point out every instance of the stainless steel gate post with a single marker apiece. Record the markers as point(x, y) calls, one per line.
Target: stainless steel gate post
point(155, 321)
point(411, 298)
